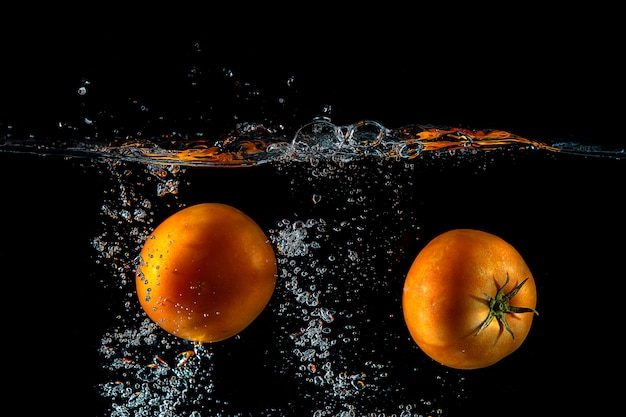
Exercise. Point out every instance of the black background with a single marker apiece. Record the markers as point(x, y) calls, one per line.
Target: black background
point(537, 73)
point(541, 76)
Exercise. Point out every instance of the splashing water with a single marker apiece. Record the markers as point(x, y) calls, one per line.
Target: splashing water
point(254, 144)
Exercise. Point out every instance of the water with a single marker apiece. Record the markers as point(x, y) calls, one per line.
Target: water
point(347, 206)
point(252, 144)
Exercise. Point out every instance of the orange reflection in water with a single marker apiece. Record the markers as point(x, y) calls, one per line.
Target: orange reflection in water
point(251, 148)
point(435, 138)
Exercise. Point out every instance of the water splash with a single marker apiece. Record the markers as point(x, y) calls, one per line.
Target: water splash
point(255, 144)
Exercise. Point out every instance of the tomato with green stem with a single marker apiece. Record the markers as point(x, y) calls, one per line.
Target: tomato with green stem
point(469, 299)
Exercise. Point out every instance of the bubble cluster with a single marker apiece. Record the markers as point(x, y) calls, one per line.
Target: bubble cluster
point(336, 298)
point(143, 383)
point(158, 388)
point(322, 140)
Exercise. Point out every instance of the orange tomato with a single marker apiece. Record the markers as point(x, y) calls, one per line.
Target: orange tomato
point(468, 299)
point(206, 272)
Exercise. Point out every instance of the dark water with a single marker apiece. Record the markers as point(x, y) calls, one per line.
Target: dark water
point(96, 150)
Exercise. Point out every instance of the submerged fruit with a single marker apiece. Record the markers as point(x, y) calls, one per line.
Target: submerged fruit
point(206, 272)
point(469, 299)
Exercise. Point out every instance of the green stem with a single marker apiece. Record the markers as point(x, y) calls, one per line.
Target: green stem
point(499, 306)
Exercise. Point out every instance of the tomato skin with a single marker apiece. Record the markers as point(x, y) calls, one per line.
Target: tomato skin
point(445, 298)
point(206, 272)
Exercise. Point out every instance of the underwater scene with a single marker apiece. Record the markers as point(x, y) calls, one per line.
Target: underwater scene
point(347, 191)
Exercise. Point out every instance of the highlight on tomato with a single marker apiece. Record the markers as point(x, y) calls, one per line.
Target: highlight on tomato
point(469, 299)
point(206, 272)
